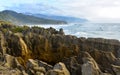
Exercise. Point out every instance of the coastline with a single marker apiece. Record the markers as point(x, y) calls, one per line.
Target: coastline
point(36, 50)
point(88, 30)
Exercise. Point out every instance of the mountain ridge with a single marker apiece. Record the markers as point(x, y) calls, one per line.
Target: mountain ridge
point(68, 19)
point(20, 18)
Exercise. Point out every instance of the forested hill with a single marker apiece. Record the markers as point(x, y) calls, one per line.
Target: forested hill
point(19, 18)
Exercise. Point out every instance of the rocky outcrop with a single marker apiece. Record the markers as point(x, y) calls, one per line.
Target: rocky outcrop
point(35, 51)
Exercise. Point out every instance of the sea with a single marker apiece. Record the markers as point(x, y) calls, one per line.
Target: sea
point(89, 30)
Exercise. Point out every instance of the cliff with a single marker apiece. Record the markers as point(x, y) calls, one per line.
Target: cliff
point(40, 51)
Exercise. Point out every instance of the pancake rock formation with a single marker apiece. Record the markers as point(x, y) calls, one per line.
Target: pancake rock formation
point(38, 51)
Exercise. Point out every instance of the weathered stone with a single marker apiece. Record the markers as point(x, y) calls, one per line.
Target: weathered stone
point(34, 68)
point(73, 66)
point(94, 54)
point(90, 67)
point(59, 69)
point(45, 65)
point(3, 44)
point(39, 69)
point(15, 72)
point(39, 73)
point(116, 69)
point(9, 61)
point(55, 72)
point(105, 59)
point(32, 63)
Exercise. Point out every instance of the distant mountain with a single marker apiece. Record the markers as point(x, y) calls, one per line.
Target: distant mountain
point(63, 18)
point(19, 18)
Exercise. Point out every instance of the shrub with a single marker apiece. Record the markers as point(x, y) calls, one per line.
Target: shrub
point(19, 29)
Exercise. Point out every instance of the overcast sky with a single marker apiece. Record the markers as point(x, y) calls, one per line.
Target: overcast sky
point(93, 10)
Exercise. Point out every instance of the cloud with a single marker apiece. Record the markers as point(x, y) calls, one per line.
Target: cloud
point(35, 8)
point(94, 10)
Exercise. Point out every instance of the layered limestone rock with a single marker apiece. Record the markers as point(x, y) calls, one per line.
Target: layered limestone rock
point(45, 65)
point(90, 67)
point(3, 44)
point(10, 61)
point(8, 71)
point(105, 59)
point(73, 65)
point(59, 69)
point(34, 68)
point(20, 45)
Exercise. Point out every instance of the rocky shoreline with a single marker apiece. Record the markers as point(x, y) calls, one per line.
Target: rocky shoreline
point(39, 51)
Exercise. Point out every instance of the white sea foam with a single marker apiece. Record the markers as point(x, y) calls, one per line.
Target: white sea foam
point(98, 30)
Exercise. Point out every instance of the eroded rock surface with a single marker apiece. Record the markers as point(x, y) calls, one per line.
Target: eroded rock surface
point(38, 51)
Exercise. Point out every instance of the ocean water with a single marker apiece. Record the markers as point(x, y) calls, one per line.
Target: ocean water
point(94, 30)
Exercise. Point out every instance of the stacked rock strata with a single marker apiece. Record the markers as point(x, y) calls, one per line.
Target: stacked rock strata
point(38, 51)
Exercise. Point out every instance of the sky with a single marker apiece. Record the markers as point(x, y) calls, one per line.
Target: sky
point(93, 10)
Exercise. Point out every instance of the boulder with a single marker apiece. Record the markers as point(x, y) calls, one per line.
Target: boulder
point(34, 68)
point(45, 65)
point(39, 69)
point(104, 59)
point(73, 65)
point(90, 67)
point(61, 31)
point(59, 69)
point(9, 61)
